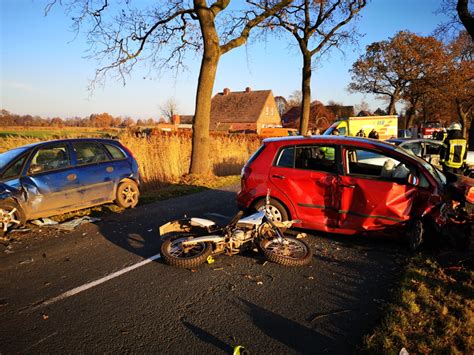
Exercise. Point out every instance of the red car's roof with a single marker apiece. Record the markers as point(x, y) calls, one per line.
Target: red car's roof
point(338, 140)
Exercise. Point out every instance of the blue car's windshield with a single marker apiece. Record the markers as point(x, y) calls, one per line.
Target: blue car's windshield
point(7, 157)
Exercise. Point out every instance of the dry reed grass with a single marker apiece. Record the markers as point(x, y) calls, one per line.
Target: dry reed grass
point(165, 158)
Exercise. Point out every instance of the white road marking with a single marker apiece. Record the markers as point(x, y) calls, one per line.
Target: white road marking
point(89, 285)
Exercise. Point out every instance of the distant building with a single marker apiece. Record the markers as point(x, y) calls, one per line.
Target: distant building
point(244, 111)
point(341, 111)
point(319, 117)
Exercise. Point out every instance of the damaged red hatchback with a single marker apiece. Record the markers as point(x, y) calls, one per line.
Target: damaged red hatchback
point(353, 185)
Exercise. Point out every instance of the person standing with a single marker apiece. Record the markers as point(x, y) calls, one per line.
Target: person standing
point(454, 150)
point(373, 134)
point(361, 133)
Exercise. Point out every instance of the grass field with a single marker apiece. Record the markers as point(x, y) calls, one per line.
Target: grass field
point(44, 133)
point(432, 311)
point(163, 159)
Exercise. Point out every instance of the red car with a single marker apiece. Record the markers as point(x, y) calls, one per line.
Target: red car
point(350, 185)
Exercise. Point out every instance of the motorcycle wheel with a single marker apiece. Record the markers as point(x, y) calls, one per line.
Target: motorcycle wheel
point(174, 255)
point(292, 252)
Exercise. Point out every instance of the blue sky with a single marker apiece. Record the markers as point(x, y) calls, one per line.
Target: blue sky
point(44, 71)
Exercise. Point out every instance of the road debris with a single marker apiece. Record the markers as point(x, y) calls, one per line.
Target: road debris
point(27, 261)
point(67, 226)
point(43, 222)
point(319, 316)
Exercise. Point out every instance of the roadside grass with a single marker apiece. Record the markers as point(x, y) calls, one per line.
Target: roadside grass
point(432, 312)
point(188, 185)
point(43, 133)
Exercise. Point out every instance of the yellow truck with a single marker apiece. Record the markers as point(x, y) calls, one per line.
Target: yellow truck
point(277, 132)
point(385, 126)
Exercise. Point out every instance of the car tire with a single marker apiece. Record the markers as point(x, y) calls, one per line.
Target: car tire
point(416, 234)
point(11, 216)
point(276, 209)
point(127, 194)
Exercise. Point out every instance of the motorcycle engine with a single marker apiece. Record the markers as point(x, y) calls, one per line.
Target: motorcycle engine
point(239, 235)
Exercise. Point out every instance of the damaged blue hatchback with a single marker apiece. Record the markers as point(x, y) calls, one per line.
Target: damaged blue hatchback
point(48, 178)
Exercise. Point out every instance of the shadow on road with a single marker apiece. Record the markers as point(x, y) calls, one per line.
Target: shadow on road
point(295, 336)
point(207, 337)
point(136, 230)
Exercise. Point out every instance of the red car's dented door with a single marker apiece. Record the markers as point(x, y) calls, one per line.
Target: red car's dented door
point(313, 195)
point(371, 204)
point(310, 183)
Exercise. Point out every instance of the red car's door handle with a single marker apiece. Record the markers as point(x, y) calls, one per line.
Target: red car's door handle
point(278, 176)
point(348, 186)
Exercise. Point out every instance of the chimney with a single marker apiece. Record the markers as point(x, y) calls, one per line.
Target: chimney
point(175, 119)
point(226, 91)
point(248, 89)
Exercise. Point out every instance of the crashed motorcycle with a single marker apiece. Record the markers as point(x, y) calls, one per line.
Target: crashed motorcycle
point(188, 243)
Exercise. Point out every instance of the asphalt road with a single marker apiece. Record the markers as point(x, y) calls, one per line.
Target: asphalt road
point(86, 291)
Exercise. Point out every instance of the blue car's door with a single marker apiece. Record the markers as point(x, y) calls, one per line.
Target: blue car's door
point(49, 182)
point(96, 173)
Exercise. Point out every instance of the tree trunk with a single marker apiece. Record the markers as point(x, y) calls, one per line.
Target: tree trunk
point(393, 100)
point(462, 115)
point(306, 93)
point(410, 114)
point(207, 75)
point(465, 16)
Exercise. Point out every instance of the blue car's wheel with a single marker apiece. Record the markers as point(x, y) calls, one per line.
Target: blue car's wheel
point(127, 194)
point(11, 216)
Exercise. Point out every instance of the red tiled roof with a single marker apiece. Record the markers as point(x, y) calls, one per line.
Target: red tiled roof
point(319, 116)
point(240, 106)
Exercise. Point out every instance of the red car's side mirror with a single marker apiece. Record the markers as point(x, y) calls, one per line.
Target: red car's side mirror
point(413, 180)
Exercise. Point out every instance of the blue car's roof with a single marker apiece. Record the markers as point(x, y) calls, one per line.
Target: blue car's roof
point(9, 155)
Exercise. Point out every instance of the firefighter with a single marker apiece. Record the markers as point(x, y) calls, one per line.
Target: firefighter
point(361, 133)
point(329, 152)
point(454, 150)
point(373, 134)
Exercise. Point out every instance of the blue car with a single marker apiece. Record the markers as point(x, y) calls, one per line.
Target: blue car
point(48, 178)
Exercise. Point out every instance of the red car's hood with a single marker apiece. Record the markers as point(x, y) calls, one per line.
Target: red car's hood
point(461, 188)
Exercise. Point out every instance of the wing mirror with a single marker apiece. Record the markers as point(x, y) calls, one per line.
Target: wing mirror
point(413, 180)
point(35, 168)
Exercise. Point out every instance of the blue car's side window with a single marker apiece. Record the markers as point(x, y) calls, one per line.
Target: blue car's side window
point(114, 152)
point(49, 158)
point(89, 153)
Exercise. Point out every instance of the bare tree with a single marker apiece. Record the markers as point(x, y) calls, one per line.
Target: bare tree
point(169, 109)
point(295, 99)
point(160, 32)
point(459, 17)
point(282, 104)
point(316, 26)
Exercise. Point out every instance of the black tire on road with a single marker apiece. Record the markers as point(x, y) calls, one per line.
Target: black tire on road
point(293, 252)
point(276, 209)
point(127, 194)
point(11, 215)
point(174, 255)
point(415, 234)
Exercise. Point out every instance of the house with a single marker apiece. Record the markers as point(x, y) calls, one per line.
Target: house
point(341, 111)
point(319, 117)
point(244, 111)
